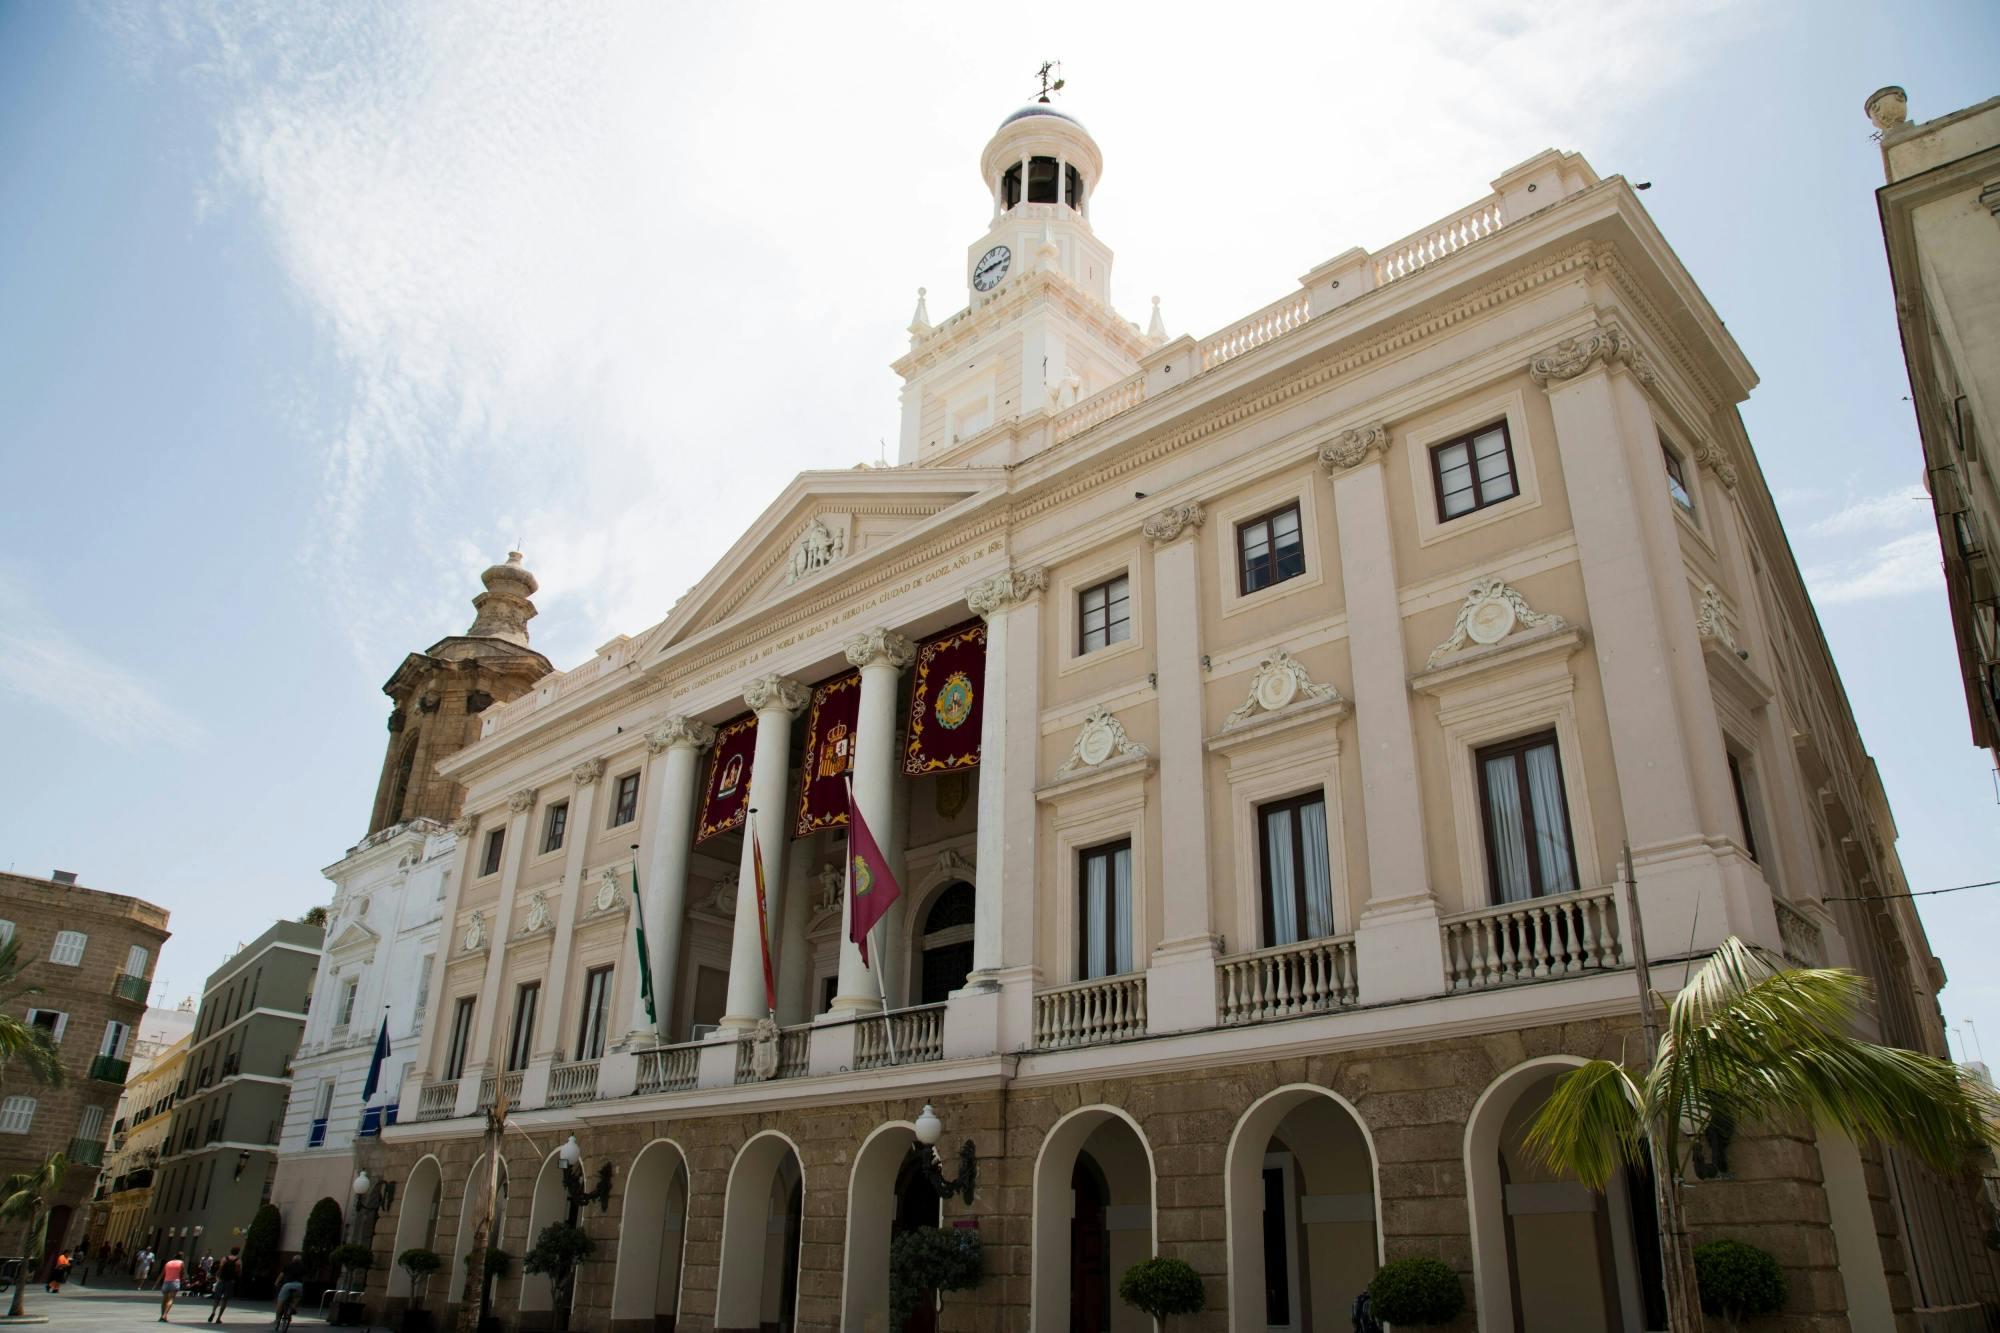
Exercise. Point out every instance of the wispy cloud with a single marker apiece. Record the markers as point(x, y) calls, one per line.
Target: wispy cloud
point(1876, 513)
point(1905, 564)
point(38, 661)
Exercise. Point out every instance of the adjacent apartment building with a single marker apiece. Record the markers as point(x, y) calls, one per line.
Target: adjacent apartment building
point(90, 956)
point(1253, 723)
point(138, 1142)
point(1941, 224)
point(216, 1165)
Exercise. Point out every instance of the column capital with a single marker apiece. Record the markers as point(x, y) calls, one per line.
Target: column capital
point(689, 732)
point(521, 800)
point(1353, 447)
point(462, 827)
point(1171, 524)
point(996, 593)
point(587, 772)
point(1605, 345)
point(878, 646)
point(775, 692)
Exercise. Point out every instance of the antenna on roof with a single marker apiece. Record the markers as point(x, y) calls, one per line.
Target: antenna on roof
point(1049, 84)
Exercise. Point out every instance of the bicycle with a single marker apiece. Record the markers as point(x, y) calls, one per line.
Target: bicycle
point(288, 1304)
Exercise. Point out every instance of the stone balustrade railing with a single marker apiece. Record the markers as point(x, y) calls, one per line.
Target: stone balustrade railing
point(901, 1037)
point(438, 1101)
point(1100, 406)
point(1304, 978)
point(1556, 936)
point(794, 1055)
point(669, 1068)
point(1272, 322)
point(1803, 941)
point(1088, 1013)
point(1438, 240)
point(573, 1083)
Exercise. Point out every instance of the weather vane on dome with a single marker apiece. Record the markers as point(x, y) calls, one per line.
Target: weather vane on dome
point(1049, 84)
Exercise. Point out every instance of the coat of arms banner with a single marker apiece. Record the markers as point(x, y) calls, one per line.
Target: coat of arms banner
point(726, 794)
point(836, 706)
point(946, 709)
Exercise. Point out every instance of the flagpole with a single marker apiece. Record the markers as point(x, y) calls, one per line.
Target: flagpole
point(882, 989)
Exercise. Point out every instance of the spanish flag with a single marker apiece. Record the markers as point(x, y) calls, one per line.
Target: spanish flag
point(870, 883)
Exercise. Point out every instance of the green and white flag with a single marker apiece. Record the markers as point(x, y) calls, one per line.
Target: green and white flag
point(645, 954)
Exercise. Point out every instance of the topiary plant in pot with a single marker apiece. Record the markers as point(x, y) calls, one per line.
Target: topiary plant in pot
point(1738, 1281)
point(1417, 1292)
point(420, 1264)
point(1163, 1287)
point(351, 1263)
point(927, 1260)
point(557, 1252)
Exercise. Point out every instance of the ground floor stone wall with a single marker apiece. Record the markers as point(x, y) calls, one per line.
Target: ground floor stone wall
point(1413, 1100)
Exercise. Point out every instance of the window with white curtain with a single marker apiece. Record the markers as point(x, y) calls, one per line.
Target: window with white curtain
point(136, 959)
point(69, 948)
point(90, 1125)
point(1105, 911)
point(1528, 848)
point(1298, 884)
point(17, 1115)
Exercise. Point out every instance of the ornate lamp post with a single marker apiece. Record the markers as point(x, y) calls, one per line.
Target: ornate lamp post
point(570, 1156)
point(929, 1130)
point(370, 1198)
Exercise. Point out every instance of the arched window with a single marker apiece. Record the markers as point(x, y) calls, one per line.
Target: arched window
point(946, 947)
point(1042, 172)
point(402, 787)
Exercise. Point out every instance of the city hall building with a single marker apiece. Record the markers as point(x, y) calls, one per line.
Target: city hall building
point(1253, 723)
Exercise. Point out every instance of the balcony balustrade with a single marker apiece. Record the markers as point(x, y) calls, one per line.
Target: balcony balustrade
point(109, 1069)
point(1309, 977)
point(1561, 935)
point(86, 1152)
point(669, 1068)
point(1088, 1013)
point(572, 1083)
point(437, 1101)
point(128, 987)
point(794, 1055)
point(903, 1037)
point(1803, 942)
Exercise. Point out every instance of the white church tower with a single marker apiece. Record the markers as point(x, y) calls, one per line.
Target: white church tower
point(1038, 332)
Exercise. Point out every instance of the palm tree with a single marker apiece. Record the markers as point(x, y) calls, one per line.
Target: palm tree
point(1749, 1039)
point(18, 1039)
point(26, 1195)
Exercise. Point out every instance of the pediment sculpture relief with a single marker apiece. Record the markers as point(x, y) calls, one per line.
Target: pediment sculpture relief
point(1281, 681)
point(817, 547)
point(1492, 611)
point(1100, 740)
point(722, 898)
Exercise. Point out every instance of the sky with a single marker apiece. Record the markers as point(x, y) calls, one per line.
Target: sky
point(310, 312)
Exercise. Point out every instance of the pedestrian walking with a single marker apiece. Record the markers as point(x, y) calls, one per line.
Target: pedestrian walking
point(170, 1285)
point(145, 1267)
point(226, 1275)
point(58, 1274)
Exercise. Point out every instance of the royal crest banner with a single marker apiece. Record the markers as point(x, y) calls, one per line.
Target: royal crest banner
point(836, 706)
point(946, 709)
point(726, 794)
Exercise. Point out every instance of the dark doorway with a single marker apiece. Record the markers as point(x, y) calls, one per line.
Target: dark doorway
point(947, 943)
point(916, 1206)
point(788, 1303)
point(1089, 1249)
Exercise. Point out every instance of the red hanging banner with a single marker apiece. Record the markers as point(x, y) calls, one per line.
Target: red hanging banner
point(946, 708)
point(726, 794)
point(836, 707)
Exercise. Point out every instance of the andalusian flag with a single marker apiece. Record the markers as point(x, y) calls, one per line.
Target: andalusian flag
point(645, 954)
point(870, 883)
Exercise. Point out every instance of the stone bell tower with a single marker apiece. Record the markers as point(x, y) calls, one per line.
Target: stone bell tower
point(439, 694)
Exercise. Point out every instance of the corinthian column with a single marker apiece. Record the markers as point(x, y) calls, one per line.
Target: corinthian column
point(676, 746)
point(881, 655)
point(775, 701)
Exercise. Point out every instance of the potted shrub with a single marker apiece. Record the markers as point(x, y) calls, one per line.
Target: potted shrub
point(1738, 1281)
point(557, 1252)
point(351, 1262)
point(1417, 1292)
point(420, 1264)
point(926, 1260)
point(1162, 1287)
point(497, 1267)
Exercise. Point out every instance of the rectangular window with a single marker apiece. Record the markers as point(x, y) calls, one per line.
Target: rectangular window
point(136, 959)
point(50, 1021)
point(1474, 471)
point(1676, 477)
point(17, 1115)
point(1104, 911)
point(1740, 785)
point(1528, 849)
point(522, 1047)
point(69, 948)
point(325, 1108)
point(90, 1125)
point(424, 982)
point(349, 989)
point(1298, 886)
point(1104, 614)
point(626, 808)
point(113, 1044)
point(596, 1013)
point(1270, 549)
point(495, 840)
point(6, 933)
point(554, 823)
point(461, 1037)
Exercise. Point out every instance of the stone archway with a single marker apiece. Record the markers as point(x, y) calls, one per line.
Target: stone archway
point(1096, 1162)
point(763, 1207)
point(1546, 1251)
point(646, 1288)
point(1303, 1211)
point(471, 1209)
point(871, 1215)
point(546, 1207)
point(416, 1224)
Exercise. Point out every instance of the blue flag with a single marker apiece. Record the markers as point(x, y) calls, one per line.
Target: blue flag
point(374, 1082)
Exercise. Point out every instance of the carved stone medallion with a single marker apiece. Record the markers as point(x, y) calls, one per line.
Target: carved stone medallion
point(1491, 612)
point(1280, 682)
point(1101, 739)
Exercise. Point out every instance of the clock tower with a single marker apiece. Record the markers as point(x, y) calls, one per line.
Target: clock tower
point(1038, 332)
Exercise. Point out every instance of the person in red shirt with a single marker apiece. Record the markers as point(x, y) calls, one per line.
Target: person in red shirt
point(170, 1285)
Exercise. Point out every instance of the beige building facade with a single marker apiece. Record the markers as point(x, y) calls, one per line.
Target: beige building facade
point(138, 1142)
point(1941, 224)
point(1253, 724)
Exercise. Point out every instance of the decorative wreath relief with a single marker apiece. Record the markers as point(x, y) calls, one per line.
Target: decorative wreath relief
point(1491, 612)
point(1280, 682)
point(1101, 738)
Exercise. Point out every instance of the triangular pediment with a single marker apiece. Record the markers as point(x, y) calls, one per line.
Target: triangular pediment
point(353, 936)
point(823, 525)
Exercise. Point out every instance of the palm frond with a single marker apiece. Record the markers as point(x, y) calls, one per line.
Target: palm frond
point(1590, 1124)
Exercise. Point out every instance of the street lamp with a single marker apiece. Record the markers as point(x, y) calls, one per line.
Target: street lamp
point(570, 1155)
point(370, 1198)
point(929, 1129)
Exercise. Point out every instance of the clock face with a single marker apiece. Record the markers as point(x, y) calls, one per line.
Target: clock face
point(992, 267)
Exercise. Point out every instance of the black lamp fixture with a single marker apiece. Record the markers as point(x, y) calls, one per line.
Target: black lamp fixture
point(571, 1157)
point(929, 1130)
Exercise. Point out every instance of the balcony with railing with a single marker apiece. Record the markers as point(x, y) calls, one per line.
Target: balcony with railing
point(109, 1069)
point(1089, 1013)
point(1561, 935)
point(128, 987)
point(900, 1037)
point(1800, 935)
point(794, 1055)
point(669, 1068)
point(438, 1101)
point(573, 1083)
point(1288, 981)
point(86, 1152)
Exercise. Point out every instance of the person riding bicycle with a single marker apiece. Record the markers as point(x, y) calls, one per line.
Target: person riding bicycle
point(290, 1289)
